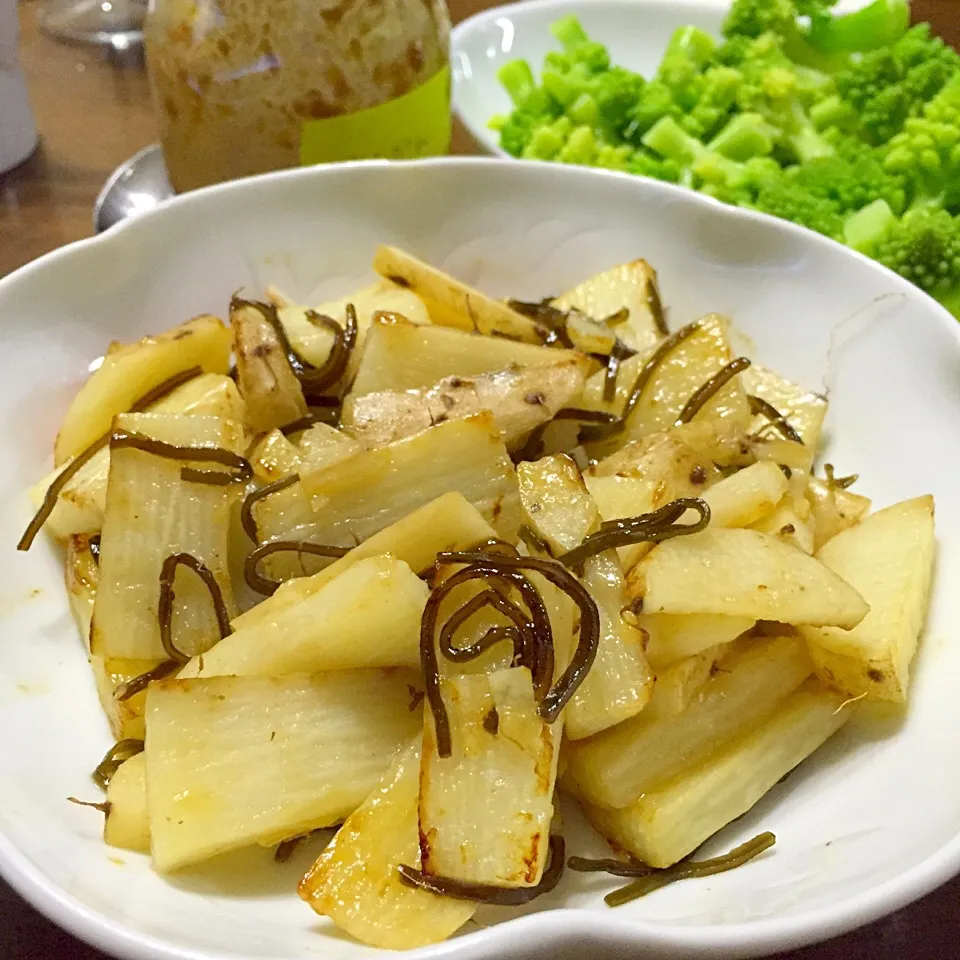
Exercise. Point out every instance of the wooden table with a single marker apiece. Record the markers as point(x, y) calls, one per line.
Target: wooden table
point(93, 113)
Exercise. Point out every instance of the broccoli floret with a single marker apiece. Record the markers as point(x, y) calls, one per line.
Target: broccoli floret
point(852, 178)
point(548, 140)
point(644, 163)
point(581, 147)
point(887, 86)
point(787, 201)
point(753, 18)
point(533, 108)
point(687, 53)
point(718, 94)
point(926, 153)
point(517, 131)
point(731, 179)
point(578, 47)
point(614, 158)
point(827, 38)
point(925, 249)
point(656, 102)
point(617, 93)
point(780, 93)
point(876, 25)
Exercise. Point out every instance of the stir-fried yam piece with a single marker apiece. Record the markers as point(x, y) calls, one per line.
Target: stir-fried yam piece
point(155, 510)
point(449, 522)
point(317, 746)
point(629, 289)
point(670, 821)
point(362, 494)
point(356, 880)
point(80, 505)
point(743, 573)
point(401, 355)
point(129, 371)
point(451, 303)
point(888, 556)
point(127, 824)
point(520, 399)
point(485, 810)
point(619, 765)
point(367, 616)
point(269, 386)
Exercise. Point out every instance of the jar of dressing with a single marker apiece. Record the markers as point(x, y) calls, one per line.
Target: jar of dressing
point(246, 86)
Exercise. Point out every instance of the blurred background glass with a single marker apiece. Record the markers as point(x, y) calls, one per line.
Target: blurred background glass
point(18, 133)
point(114, 23)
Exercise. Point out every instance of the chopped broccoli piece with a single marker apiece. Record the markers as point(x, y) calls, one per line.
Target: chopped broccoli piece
point(718, 94)
point(785, 200)
point(879, 24)
point(925, 249)
point(581, 147)
point(647, 164)
point(887, 86)
point(926, 153)
point(867, 228)
point(852, 178)
point(746, 135)
point(876, 25)
point(548, 140)
point(578, 46)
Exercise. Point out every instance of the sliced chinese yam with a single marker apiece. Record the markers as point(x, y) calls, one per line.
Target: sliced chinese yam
point(619, 765)
point(670, 821)
point(400, 355)
point(451, 303)
point(888, 556)
point(631, 287)
point(485, 810)
point(268, 384)
point(152, 513)
point(356, 880)
point(360, 495)
point(234, 761)
point(449, 522)
point(743, 573)
point(127, 823)
point(367, 616)
point(129, 371)
point(520, 399)
point(80, 505)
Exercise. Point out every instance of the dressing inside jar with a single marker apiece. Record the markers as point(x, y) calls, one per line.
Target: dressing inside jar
point(246, 86)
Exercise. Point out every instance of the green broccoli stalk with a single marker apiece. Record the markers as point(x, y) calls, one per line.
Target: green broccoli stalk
point(866, 229)
point(578, 47)
point(722, 162)
point(718, 95)
point(829, 38)
point(533, 108)
point(687, 53)
point(877, 25)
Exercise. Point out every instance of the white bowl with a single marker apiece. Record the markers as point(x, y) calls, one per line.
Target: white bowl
point(635, 32)
point(868, 824)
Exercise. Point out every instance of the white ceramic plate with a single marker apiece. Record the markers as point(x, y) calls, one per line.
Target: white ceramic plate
point(635, 31)
point(872, 822)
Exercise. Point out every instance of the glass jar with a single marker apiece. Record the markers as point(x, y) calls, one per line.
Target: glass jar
point(247, 86)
